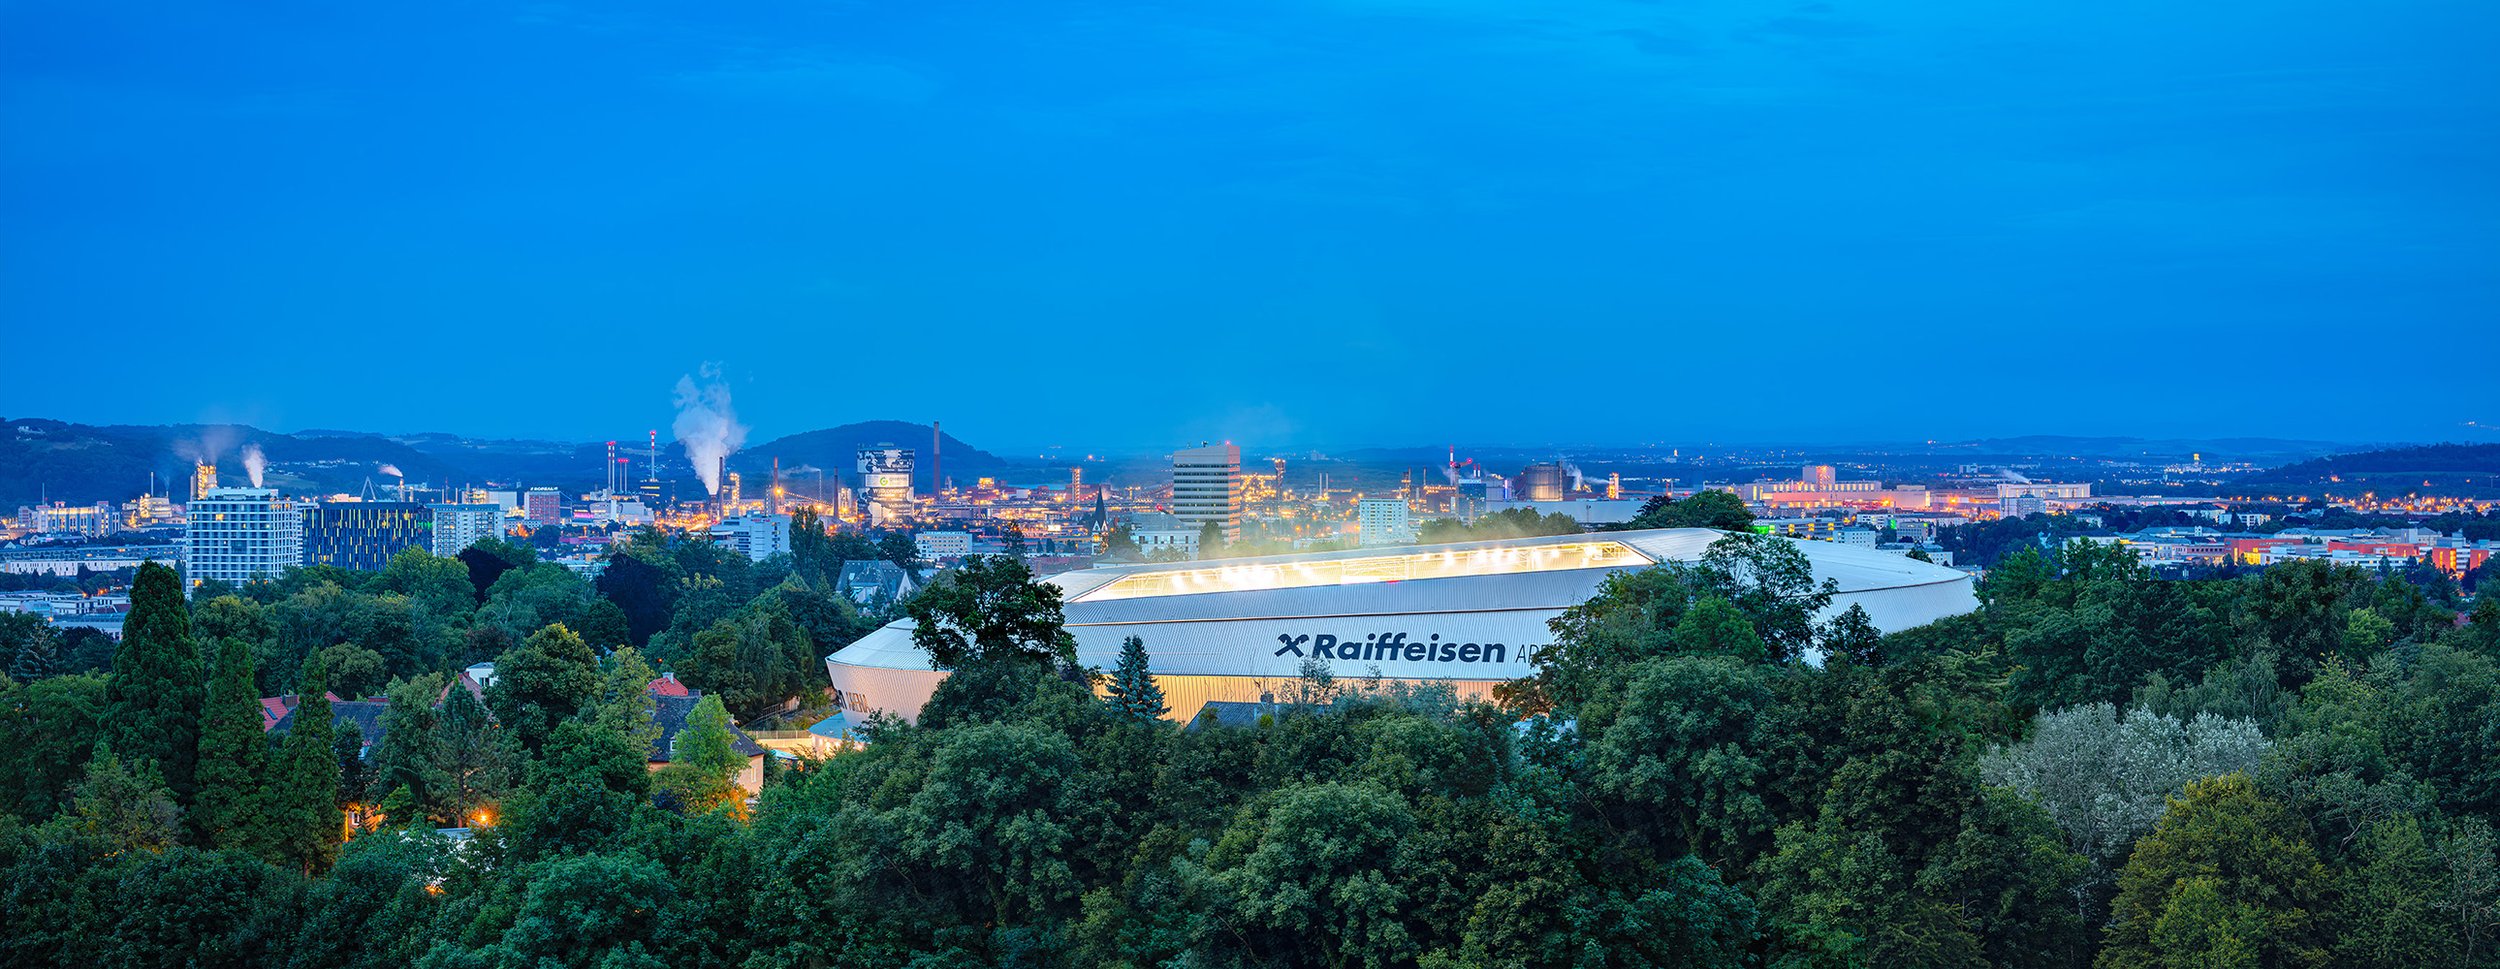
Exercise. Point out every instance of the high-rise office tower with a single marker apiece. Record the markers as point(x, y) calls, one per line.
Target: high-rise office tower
point(240, 534)
point(456, 527)
point(1206, 486)
point(362, 536)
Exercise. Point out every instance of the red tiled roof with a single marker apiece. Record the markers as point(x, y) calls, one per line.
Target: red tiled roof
point(274, 709)
point(667, 685)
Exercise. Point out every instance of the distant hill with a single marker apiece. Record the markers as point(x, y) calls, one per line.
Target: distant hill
point(2467, 470)
point(836, 450)
point(81, 463)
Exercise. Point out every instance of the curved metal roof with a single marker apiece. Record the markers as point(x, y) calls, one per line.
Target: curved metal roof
point(1236, 629)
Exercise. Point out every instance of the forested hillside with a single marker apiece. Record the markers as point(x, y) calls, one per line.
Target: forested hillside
point(2294, 768)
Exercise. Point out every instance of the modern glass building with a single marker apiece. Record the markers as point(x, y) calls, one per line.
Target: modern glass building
point(240, 534)
point(363, 535)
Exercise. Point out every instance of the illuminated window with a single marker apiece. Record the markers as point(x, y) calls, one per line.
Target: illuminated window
point(1446, 564)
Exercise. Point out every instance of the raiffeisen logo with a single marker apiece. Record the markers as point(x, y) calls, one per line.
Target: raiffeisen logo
point(1391, 647)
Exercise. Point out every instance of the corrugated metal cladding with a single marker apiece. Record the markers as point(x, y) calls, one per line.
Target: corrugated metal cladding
point(1471, 631)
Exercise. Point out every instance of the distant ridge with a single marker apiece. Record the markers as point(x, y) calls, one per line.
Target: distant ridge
point(2466, 470)
point(83, 463)
point(836, 450)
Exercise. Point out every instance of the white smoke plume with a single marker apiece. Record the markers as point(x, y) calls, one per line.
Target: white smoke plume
point(254, 463)
point(212, 444)
point(392, 470)
point(706, 425)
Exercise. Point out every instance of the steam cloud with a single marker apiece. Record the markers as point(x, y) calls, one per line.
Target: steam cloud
point(212, 444)
point(706, 425)
point(392, 470)
point(254, 464)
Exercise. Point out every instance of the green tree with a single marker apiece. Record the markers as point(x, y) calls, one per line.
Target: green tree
point(703, 765)
point(1306, 881)
point(45, 729)
point(1677, 763)
point(123, 807)
point(1712, 627)
point(581, 794)
point(1712, 508)
point(38, 652)
point(549, 678)
point(2387, 915)
point(754, 659)
point(897, 547)
point(1852, 634)
point(622, 703)
point(2228, 876)
point(231, 811)
point(990, 609)
point(604, 625)
point(1211, 540)
point(407, 764)
point(2010, 875)
point(471, 761)
point(303, 799)
point(153, 698)
point(589, 911)
point(643, 589)
point(1120, 544)
point(355, 672)
point(1132, 691)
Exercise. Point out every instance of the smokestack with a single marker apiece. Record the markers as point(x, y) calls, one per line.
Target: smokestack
point(937, 459)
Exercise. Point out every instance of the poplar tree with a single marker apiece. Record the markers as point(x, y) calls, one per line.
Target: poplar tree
point(152, 701)
point(234, 757)
point(305, 804)
point(1133, 691)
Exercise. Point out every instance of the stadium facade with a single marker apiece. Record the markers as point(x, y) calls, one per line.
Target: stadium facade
point(1470, 615)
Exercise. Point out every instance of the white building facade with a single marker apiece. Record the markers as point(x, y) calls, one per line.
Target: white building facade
point(757, 537)
point(933, 546)
point(240, 534)
point(1206, 487)
point(1384, 521)
point(456, 527)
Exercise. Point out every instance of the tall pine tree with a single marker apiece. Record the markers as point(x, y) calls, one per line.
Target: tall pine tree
point(1133, 691)
point(234, 758)
point(38, 657)
point(305, 801)
point(152, 701)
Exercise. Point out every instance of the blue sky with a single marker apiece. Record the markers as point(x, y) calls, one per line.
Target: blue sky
point(1324, 223)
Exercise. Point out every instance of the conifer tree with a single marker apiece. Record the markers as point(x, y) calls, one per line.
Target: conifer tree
point(38, 657)
point(1133, 691)
point(305, 803)
point(152, 701)
point(473, 765)
point(234, 753)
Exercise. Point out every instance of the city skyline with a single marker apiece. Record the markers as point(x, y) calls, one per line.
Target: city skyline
point(1314, 223)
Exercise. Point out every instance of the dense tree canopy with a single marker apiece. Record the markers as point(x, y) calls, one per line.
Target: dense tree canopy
point(1712, 765)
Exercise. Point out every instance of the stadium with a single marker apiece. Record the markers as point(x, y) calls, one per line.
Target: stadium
point(1470, 615)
